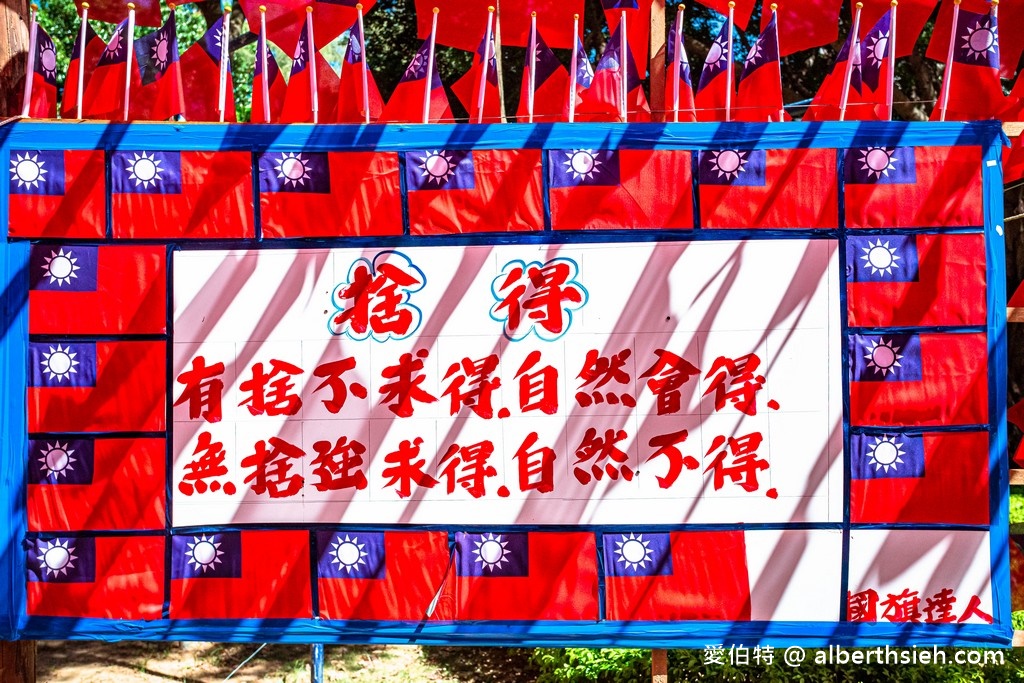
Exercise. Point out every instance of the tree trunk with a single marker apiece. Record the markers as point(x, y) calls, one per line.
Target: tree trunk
point(18, 661)
point(13, 55)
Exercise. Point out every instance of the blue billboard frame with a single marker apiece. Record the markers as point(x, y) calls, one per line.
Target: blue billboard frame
point(14, 621)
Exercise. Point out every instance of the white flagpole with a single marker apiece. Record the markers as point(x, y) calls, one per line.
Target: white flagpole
point(81, 58)
point(430, 69)
point(890, 87)
point(314, 96)
point(775, 10)
point(947, 74)
point(265, 85)
point(31, 67)
point(623, 69)
point(677, 61)
point(222, 92)
point(533, 66)
point(128, 58)
point(480, 97)
point(854, 45)
point(573, 66)
point(729, 68)
point(362, 58)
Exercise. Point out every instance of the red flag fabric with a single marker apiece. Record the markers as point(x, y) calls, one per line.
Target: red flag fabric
point(453, 191)
point(638, 26)
point(157, 194)
point(55, 193)
point(43, 102)
point(714, 84)
point(104, 94)
point(550, 86)
point(200, 69)
point(275, 86)
point(94, 47)
point(321, 194)
point(861, 103)
point(526, 576)
point(919, 479)
point(910, 380)
point(974, 89)
point(459, 21)
point(147, 12)
point(593, 189)
point(389, 575)
point(911, 17)
point(1013, 156)
point(1011, 43)
point(298, 99)
point(759, 94)
point(109, 289)
point(768, 188)
point(350, 107)
point(676, 576)
point(913, 187)
point(916, 280)
point(120, 577)
point(467, 88)
point(241, 575)
point(600, 102)
point(285, 19)
point(159, 95)
point(406, 103)
point(96, 386)
point(687, 106)
point(813, 24)
point(77, 483)
point(741, 13)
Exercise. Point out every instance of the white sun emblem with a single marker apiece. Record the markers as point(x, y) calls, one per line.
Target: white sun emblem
point(491, 551)
point(59, 362)
point(204, 552)
point(60, 267)
point(885, 453)
point(877, 161)
point(57, 461)
point(880, 258)
point(417, 67)
point(729, 163)
point(754, 54)
point(633, 551)
point(348, 553)
point(293, 168)
point(114, 45)
point(583, 163)
point(145, 169)
point(878, 47)
point(300, 54)
point(980, 40)
point(161, 51)
point(28, 170)
point(48, 60)
point(884, 356)
point(437, 166)
point(57, 557)
point(718, 54)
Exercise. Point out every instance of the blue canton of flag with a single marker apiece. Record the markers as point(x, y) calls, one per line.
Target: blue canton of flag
point(717, 59)
point(207, 556)
point(892, 258)
point(880, 166)
point(978, 41)
point(637, 554)
point(60, 461)
point(350, 555)
point(439, 169)
point(61, 560)
point(71, 364)
point(116, 51)
point(354, 52)
point(306, 172)
point(37, 172)
point(546, 61)
point(886, 456)
point(733, 167)
point(685, 75)
point(874, 51)
point(417, 69)
point(143, 172)
point(505, 554)
point(576, 167)
point(300, 60)
point(885, 357)
point(156, 51)
point(761, 52)
point(584, 71)
point(620, 4)
point(69, 268)
point(211, 42)
point(46, 57)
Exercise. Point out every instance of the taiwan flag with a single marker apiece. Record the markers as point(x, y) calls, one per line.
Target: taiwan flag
point(241, 575)
point(57, 194)
point(351, 107)
point(459, 21)
point(388, 576)
point(120, 577)
point(813, 24)
point(919, 479)
point(526, 576)
point(159, 96)
point(714, 85)
point(774, 188)
point(678, 576)
point(874, 68)
point(285, 19)
point(913, 15)
point(638, 24)
point(913, 187)
point(147, 12)
point(109, 289)
point(406, 103)
point(600, 102)
point(827, 102)
point(741, 13)
point(550, 86)
point(200, 69)
point(95, 483)
point(681, 82)
point(43, 103)
point(915, 280)
point(911, 380)
point(453, 191)
point(168, 194)
point(759, 95)
point(298, 99)
point(467, 88)
point(597, 189)
point(274, 83)
point(104, 94)
point(96, 386)
point(322, 194)
point(94, 47)
point(975, 91)
point(584, 71)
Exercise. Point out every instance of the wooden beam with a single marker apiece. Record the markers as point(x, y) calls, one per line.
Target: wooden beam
point(1018, 638)
point(1013, 128)
point(1016, 477)
point(657, 60)
point(659, 666)
point(18, 661)
point(13, 55)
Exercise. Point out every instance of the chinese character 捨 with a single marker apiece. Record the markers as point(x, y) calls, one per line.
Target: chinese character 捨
point(667, 376)
point(745, 461)
point(406, 376)
point(272, 468)
point(537, 298)
point(538, 390)
point(471, 385)
point(374, 301)
point(331, 373)
point(339, 466)
point(666, 445)
point(209, 465)
point(203, 390)
point(405, 470)
point(734, 380)
point(471, 462)
point(280, 399)
point(599, 371)
point(598, 449)
point(536, 467)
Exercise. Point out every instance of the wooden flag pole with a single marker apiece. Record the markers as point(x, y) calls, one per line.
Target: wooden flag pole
point(947, 73)
point(365, 70)
point(488, 46)
point(430, 69)
point(224, 37)
point(854, 45)
point(573, 68)
point(128, 58)
point(33, 29)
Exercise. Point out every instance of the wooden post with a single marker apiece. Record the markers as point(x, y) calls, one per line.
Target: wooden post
point(657, 60)
point(18, 661)
point(13, 55)
point(659, 658)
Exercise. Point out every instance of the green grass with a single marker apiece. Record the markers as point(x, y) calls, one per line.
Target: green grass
point(1016, 507)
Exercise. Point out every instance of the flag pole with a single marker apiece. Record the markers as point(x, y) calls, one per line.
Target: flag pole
point(854, 45)
point(177, 72)
point(533, 67)
point(947, 74)
point(891, 76)
point(480, 97)
point(729, 68)
point(128, 58)
point(222, 92)
point(362, 58)
point(33, 28)
point(623, 69)
point(677, 61)
point(573, 68)
point(775, 12)
point(265, 84)
point(81, 57)
point(429, 81)
point(314, 96)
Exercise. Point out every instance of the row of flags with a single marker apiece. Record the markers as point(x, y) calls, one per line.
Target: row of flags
point(148, 79)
